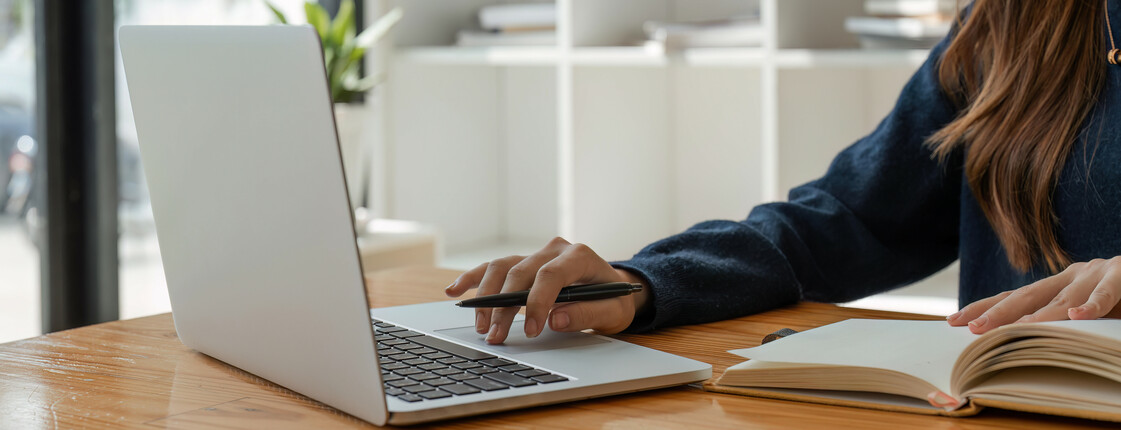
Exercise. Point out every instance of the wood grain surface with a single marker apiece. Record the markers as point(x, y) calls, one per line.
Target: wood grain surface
point(136, 374)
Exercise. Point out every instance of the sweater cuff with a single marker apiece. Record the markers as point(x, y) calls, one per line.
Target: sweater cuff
point(663, 304)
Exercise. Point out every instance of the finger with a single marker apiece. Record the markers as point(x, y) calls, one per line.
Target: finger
point(520, 278)
point(577, 264)
point(1022, 301)
point(604, 316)
point(1104, 299)
point(1072, 295)
point(975, 309)
point(466, 281)
point(491, 284)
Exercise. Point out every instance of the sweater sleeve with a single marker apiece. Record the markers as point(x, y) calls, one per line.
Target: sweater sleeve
point(885, 214)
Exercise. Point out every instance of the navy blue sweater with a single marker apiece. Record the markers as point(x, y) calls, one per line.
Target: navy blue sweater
point(886, 214)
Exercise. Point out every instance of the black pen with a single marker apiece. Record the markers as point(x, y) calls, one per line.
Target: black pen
point(573, 293)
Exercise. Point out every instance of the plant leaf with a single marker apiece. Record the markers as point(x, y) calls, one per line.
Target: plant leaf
point(279, 15)
point(367, 83)
point(343, 23)
point(317, 17)
point(372, 34)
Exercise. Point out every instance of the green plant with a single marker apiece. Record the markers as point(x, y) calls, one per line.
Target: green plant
point(343, 50)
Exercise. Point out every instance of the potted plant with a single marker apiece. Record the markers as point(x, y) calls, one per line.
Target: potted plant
point(343, 51)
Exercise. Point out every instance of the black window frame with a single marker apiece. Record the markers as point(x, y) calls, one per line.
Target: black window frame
point(76, 124)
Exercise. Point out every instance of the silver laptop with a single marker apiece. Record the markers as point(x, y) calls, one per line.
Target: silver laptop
point(239, 145)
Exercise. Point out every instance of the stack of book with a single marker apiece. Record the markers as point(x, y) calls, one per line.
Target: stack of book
point(743, 31)
point(515, 24)
point(902, 24)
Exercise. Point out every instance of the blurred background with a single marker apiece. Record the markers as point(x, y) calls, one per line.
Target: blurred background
point(487, 128)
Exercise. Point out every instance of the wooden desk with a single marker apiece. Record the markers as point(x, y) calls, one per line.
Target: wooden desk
point(136, 374)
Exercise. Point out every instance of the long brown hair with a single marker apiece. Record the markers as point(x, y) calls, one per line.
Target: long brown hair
point(1026, 74)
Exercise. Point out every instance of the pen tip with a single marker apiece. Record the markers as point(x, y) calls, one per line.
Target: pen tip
point(460, 304)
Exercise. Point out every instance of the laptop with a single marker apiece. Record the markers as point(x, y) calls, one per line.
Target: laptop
point(241, 155)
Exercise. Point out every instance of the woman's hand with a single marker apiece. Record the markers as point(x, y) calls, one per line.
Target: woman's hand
point(1083, 291)
point(557, 265)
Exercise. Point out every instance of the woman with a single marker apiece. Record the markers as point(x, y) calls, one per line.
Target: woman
point(1003, 151)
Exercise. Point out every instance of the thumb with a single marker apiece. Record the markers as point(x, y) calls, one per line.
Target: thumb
point(604, 316)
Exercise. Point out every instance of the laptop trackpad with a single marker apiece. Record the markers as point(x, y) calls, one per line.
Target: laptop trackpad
point(517, 343)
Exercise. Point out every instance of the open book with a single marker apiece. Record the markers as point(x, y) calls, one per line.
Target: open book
point(1070, 368)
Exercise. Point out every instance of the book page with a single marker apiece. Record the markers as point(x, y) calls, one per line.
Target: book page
point(1053, 387)
point(1104, 327)
point(924, 349)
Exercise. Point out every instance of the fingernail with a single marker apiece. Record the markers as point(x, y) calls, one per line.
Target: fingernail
point(954, 316)
point(449, 286)
point(493, 333)
point(480, 325)
point(560, 320)
point(531, 328)
point(980, 321)
point(1072, 312)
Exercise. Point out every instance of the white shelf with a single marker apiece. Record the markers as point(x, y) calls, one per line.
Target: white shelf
point(849, 58)
point(721, 57)
point(637, 56)
point(610, 143)
point(618, 56)
point(493, 56)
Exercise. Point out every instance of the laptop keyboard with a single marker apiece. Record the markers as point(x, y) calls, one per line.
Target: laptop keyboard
point(415, 367)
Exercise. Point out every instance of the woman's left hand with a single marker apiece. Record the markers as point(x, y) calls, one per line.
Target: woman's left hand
point(1084, 291)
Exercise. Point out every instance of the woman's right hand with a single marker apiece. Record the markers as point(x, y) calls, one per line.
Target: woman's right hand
point(557, 265)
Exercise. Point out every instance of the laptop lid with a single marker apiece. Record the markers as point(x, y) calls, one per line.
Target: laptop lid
point(242, 160)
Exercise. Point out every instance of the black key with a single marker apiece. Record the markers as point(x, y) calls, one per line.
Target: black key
point(388, 351)
point(403, 356)
point(486, 384)
point(439, 382)
point(438, 355)
point(423, 351)
point(382, 324)
point(423, 376)
point(460, 389)
point(394, 391)
point(404, 334)
point(401, 383)
point(408, 346)
point(450, 359)
point(390, 329)
point(446, 372)
point(418, 388)
point(510, 379)
point(417, 361)
point(393, 342)
point(482, 370)
point(408, 371)
point(410, 397)
point(433, 366)
point(549, 379)
point(514, 368)
point(390, 376)
point(451, 348)
point(463, 376)
point(393, 366)
point(383, 337)
point(466, 365)
point(434, 394)
point(496, 362)
point(386, 360)
point(531, 373)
